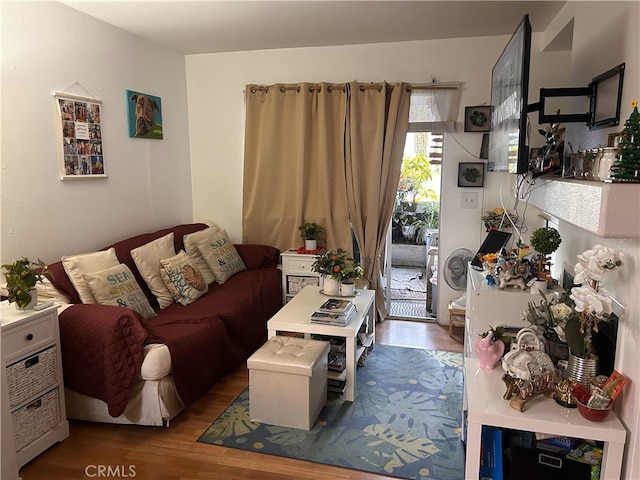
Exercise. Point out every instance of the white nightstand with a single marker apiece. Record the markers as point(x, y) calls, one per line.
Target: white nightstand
point(297, 273)
point(32, 380)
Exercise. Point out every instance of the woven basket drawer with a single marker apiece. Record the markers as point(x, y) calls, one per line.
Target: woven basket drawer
point(32, 375)
point(34, 420)
point(298, 283)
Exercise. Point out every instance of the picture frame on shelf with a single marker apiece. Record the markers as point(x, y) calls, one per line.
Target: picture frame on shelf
point(471, 174)
point(477, 119)
point(614, 139)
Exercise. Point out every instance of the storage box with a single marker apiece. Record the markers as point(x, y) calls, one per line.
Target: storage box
point(295, 284)
point(288, 382)
point(32, 421)
point(31, 376)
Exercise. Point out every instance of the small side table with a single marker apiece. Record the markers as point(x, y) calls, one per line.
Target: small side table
point(455, 314)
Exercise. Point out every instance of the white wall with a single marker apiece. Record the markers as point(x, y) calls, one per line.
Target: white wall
point(48, 47)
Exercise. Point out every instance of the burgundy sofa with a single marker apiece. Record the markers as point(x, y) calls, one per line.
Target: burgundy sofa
point(104, 347)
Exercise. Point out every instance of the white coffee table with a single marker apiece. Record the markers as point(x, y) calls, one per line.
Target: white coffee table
point(295, 317)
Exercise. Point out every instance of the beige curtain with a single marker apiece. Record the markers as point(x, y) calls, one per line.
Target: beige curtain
point(377, 124)
point(294, 164)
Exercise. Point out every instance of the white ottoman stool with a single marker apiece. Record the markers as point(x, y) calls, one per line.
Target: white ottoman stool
point(288, 382)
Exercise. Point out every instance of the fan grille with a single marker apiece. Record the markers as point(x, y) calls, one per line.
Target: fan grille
point(455, 268)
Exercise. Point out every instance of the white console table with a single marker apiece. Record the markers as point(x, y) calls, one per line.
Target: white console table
point(485, 406)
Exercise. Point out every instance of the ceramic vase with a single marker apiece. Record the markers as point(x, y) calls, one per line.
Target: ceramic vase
point(311, 245)
point(488, 351)
point(347, 289)
point(556, 350)
point(32, 303)
point(330, 286)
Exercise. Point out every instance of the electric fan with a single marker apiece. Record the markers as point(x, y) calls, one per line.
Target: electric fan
point(455, 274)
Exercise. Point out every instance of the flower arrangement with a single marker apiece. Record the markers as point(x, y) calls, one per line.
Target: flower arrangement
point(550, 316)
point(331, 262)
point(593, 264)
point(496, 219)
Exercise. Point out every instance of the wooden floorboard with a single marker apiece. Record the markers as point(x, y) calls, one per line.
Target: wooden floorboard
point(157, 453)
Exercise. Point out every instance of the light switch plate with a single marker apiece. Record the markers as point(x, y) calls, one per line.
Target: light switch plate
point(469, 200)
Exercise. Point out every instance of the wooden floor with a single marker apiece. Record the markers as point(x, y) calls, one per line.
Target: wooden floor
point(149, 453)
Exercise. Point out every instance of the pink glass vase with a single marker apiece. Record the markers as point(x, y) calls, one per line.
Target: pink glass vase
point(488, 351)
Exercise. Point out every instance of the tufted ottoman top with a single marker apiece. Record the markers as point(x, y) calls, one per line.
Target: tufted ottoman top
point(297, 356)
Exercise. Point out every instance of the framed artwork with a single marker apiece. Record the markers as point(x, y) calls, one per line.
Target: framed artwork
point(471, 174)
point(144, 115)
point(81, 135)
point(477, 119)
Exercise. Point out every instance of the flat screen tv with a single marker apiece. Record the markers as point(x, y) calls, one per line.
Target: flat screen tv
point(509, 95)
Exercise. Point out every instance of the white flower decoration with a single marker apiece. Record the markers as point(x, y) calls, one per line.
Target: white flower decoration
point(591, 302)
point(593, 264)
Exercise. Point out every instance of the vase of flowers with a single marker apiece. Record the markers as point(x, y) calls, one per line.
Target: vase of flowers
point(331, 263)
point(550, 316)
point(593, 306)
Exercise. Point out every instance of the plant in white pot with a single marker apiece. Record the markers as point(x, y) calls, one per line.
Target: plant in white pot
point(330, 264)
point(310, 231)
point(348, 276)
point(22, 276)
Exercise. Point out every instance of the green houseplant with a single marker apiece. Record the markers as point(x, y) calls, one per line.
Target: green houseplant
point(22, 276)
point(545, 241)
point(310, 231)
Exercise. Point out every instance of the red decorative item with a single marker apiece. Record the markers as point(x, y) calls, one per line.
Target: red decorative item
point(304, 251)
point(593, 414)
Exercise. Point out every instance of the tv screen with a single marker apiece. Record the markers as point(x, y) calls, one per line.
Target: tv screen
point(509, 95)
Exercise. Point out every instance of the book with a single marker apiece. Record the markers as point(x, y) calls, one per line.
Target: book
point(337, 305)
point(336, 361)
point(332, 318)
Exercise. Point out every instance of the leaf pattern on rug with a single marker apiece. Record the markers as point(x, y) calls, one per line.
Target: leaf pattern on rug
point(405, 420)
point(408, 449)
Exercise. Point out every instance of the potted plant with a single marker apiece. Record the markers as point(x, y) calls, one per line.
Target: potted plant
point(311, 233)
point(348, 276)
point(22, 276)
point(330, 264)
point(490, 346)
point(545, 241)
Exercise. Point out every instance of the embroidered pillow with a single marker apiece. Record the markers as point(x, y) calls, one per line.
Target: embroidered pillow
point(221, 256)
point(183, 278)
point(77, 265)
point(147, 259)
point(118, 287)
point(191, 247)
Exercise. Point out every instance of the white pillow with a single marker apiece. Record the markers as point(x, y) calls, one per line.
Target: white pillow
point(182, 278)
point(77, 265)
point(118, 287)
point(147, 259)
point(191, 247)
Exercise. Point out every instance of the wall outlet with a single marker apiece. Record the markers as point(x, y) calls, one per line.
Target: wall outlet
point(469, 200)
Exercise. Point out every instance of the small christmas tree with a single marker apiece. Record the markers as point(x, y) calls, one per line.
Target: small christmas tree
point(626, 167)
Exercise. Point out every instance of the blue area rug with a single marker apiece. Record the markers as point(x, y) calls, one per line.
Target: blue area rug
point(405, 421)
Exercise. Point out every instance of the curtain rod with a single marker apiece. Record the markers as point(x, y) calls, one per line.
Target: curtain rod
point(368, 86)
point(435, 86)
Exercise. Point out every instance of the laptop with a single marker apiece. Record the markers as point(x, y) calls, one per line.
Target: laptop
point(493, 243)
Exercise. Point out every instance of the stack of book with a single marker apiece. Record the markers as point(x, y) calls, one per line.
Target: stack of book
point(335, 311)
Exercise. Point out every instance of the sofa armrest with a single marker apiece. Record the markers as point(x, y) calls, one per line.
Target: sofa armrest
point(102, 352)
point(258, 256)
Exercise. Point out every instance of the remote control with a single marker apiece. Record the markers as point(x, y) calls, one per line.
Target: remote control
point(42, 306)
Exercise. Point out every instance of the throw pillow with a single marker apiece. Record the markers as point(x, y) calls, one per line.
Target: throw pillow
point(221, 256)
point(147, 259)
point(77, 265)
point(118, 287)
point(182, 278)
point(191, 247)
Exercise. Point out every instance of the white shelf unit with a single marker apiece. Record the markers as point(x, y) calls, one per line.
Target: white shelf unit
point(32, 378)
point(297, 273)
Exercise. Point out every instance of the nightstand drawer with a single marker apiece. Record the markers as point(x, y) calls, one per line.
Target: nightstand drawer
point(31, 336)
point(298, 265)
point(32, 375)
point(34, 420)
